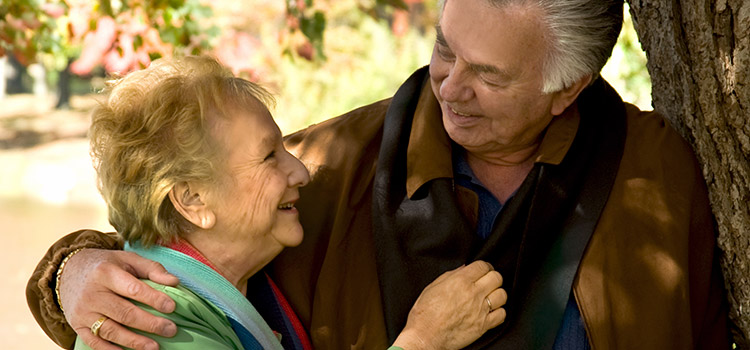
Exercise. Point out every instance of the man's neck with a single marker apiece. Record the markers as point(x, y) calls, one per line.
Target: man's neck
point(502, 175)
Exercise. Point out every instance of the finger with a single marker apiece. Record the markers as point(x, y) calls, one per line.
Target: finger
point(498, 298)
point(145, 268)
point(93, 341)
point(477, 269)
point(125, 284)
point(495, 318)
point(124, 312)
point(490, 281)
point(115, 333)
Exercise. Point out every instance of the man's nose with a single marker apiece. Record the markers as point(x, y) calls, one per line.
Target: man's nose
point(455, 87)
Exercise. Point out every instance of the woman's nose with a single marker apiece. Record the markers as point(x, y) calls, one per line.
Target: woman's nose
point(298, 174)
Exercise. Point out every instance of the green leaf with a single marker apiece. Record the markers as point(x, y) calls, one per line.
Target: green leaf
point(313, 27)
point(176, 3)
point(213, 31)
point(203, 11)
point(137, 42)
point(169, 35)
point(167, 16)
point(399, 4)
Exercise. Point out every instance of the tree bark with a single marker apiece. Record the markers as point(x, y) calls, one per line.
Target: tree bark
point(699, 60)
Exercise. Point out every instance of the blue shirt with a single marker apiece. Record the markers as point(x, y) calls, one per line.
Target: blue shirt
point(572, 333)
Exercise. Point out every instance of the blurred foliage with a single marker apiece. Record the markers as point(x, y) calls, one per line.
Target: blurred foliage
point(626, 69)
point(302, 16)
point(321, 57)
point(28, 27)
point(122, 35)
point(366, 63)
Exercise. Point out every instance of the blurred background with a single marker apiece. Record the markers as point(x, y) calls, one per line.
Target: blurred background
point(320, 58)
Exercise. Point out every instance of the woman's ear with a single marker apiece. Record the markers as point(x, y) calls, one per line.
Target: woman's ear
point(566, 96)
point(189, 201)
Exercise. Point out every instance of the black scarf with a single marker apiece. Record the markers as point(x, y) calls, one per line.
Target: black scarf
point(536, 244)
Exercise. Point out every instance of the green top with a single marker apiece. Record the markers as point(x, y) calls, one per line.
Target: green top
point(200, 324)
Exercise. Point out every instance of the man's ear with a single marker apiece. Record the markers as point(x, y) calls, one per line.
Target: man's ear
point(566, 96)
point(189, 201)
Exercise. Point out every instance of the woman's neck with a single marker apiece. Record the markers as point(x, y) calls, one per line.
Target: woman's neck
point(236, 265)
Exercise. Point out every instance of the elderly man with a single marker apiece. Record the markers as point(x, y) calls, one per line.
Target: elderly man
point(508, 148)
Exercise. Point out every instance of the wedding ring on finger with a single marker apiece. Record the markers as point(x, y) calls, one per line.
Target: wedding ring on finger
point(487, 299)
point(98, 325)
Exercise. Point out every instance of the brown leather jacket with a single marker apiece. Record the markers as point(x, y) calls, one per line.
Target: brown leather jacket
point(649, 278)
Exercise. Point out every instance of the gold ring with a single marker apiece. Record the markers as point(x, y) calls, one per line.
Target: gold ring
point(488, 303)
point(97, 325)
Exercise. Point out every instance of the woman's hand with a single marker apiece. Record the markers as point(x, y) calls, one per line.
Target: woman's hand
point(96, 282)
point(456, 309)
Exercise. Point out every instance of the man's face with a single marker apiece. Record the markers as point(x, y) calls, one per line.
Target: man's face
point(486, 72)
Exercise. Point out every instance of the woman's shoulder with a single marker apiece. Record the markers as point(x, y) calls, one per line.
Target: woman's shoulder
point(200, 324)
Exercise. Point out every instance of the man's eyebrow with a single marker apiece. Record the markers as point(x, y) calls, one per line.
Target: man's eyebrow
point(477, 68)
point(440, 38)
point(490, 69)
point(486, 68)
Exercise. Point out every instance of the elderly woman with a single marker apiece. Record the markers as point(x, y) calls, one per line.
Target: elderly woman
point(196, 177)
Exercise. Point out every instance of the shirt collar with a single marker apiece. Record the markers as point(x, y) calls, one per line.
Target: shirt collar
point(428, 155)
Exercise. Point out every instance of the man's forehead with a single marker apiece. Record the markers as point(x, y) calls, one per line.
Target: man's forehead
point(478, 67)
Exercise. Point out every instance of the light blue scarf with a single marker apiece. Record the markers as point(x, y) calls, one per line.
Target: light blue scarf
point(253, 331)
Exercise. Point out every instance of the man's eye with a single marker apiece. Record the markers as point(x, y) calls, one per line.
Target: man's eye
point(445, 53)
point(490, 83)
point(270, 155)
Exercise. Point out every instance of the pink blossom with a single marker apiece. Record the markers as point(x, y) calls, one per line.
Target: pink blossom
point(236, 51)
point(53, 10)
point(95, 46)
point(124, 60)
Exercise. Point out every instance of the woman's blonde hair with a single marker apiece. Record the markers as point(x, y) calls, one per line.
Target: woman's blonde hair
point(152, 132)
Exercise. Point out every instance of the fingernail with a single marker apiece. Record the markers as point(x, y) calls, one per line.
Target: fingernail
point(167, 305)
point(169, 330)
point(151, 346)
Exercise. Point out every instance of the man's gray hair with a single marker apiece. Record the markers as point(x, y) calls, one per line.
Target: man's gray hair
point(582, 35)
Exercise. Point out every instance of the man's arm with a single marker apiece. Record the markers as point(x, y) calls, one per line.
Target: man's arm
point(199, 324)
point(40, 291)
point(89, 287)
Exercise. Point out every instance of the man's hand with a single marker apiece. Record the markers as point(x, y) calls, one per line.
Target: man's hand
point(456, 309)
point(96, 282)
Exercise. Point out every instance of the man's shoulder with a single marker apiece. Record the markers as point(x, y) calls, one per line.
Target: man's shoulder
point(357, 124)
point(656, 153)
point(340, 140)
point(651, 134)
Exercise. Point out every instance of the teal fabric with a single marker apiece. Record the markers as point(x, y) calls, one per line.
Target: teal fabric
point(200, 325)
point(214, 288)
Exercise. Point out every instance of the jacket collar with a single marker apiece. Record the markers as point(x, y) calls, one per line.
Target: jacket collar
point(428, 155)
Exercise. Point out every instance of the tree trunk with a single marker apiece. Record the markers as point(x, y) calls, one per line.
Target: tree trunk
point(699, 60)
point(63, 87)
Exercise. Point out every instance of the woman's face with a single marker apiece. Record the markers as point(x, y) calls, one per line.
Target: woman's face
point(254, 201)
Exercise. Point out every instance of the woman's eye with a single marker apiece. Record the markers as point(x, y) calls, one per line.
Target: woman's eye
point(270, 155)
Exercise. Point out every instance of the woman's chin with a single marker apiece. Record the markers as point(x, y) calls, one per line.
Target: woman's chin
point(291, 237)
